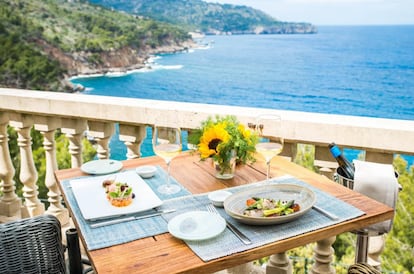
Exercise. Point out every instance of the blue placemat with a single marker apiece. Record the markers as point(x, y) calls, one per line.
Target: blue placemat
point(105, 236)
point(227, 243)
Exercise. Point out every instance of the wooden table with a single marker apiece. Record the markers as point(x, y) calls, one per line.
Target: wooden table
point(166, 254)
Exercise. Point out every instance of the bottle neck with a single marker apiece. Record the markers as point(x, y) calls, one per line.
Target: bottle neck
point(335, 151)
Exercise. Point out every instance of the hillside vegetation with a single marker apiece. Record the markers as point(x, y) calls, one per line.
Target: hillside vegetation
point(209, 18)
point(44, 41)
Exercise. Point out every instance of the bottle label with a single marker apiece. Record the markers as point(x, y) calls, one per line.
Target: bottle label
point(335, 151)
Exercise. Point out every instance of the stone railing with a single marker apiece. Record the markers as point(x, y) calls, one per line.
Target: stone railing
point(74, 114)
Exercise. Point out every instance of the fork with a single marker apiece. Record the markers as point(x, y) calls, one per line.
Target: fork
point(235, 230)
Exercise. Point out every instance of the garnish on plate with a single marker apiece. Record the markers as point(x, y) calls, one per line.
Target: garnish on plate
point(118, 194)
point(264, 207)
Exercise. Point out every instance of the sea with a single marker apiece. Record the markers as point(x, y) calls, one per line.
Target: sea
point(352, 70)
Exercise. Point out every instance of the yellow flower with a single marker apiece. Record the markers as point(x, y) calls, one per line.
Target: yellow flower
point(246, 132)
point(211, 139)
point(221, 138)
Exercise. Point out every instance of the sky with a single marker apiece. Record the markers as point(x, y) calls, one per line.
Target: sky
point(335, 12)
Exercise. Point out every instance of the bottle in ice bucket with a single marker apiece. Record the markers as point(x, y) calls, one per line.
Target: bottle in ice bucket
point(347, 167)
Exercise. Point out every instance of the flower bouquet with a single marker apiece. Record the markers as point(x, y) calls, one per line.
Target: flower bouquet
point(226, 141)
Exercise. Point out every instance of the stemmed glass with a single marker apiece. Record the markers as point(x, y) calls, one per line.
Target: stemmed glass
point(269, 129)
point(166, 142)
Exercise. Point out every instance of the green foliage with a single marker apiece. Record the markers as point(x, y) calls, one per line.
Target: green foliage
point(304, 156)
point(24, 67)
point(398, 254)
point(197, 15)
point(35, 33)
point(40, 162)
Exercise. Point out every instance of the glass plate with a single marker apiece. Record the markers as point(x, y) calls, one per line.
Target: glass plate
point(196, 225)
point(100, 167)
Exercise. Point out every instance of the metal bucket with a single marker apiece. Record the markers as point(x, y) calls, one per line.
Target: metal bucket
point(340, 178)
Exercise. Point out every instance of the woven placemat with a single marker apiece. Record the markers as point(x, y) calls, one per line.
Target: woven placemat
point(227, 243)
point(105, 236)
point(222, 245)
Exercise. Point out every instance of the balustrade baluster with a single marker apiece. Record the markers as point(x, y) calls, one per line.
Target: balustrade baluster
point(10, 204)
point(54, 195)
point(379, 157)
point(324, 162)
point(376, 245)
point(74, 130)
point(289, 150)
point(28, 174)
point(279, 264)
point(102, 132)
point(243, 268)
point(132, 136)
point(323, 256)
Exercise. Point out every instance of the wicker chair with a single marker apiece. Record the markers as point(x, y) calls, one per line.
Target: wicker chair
point(362, 268)
point(32, 245)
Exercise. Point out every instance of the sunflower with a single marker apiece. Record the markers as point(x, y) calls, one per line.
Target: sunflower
point(211, 139)
point(247, 134)
point(221, 137)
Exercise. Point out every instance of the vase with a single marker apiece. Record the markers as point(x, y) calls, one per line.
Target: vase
point(225, 170)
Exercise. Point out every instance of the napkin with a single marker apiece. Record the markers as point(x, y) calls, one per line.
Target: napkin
point(378, 182)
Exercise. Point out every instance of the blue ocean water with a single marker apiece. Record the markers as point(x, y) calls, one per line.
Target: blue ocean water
point(352, 70)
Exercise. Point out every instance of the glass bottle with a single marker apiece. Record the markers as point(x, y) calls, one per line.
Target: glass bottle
point(347, 167)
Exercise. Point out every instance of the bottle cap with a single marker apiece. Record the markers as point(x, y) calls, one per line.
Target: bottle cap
point(335, 151)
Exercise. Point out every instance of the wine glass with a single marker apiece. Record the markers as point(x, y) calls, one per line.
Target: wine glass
point(269, 129)
point(166, 142)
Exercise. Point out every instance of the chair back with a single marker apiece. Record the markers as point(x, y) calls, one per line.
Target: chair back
point(32, 245)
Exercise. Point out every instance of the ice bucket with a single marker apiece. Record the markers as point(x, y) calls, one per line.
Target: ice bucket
point(340, 178)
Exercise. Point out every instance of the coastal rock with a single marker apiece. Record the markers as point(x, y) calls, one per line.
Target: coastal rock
point(112, 61)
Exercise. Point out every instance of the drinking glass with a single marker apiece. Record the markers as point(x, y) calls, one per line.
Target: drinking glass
point(269, 129)
point(167, 144)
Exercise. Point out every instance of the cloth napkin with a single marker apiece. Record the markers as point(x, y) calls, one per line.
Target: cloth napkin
point(378, 182)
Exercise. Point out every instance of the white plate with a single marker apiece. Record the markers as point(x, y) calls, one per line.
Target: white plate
point(196, 225)
point(92, 201)
point(236, 203)
point(100, 167)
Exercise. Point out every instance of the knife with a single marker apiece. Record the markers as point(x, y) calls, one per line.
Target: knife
point(238, 233)
point(131, 218)
point(326, 213)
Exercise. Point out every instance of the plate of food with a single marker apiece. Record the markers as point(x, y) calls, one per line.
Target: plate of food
point(113, 195)
point(100, 167)
point(270, 204)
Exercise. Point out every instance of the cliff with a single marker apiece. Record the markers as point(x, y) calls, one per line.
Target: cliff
point(45, 42)
point(119, 60)
point(208, 17)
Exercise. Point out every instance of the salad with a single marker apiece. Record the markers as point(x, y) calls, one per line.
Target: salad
point(118, 194)
point(265, 207)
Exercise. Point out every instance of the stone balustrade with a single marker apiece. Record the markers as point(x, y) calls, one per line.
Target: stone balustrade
point(73, 114)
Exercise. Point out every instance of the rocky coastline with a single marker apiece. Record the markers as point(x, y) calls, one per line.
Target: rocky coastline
point(114, 62)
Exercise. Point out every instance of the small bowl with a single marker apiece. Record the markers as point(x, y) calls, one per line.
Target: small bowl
point(218, 197)
point(146, 171)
